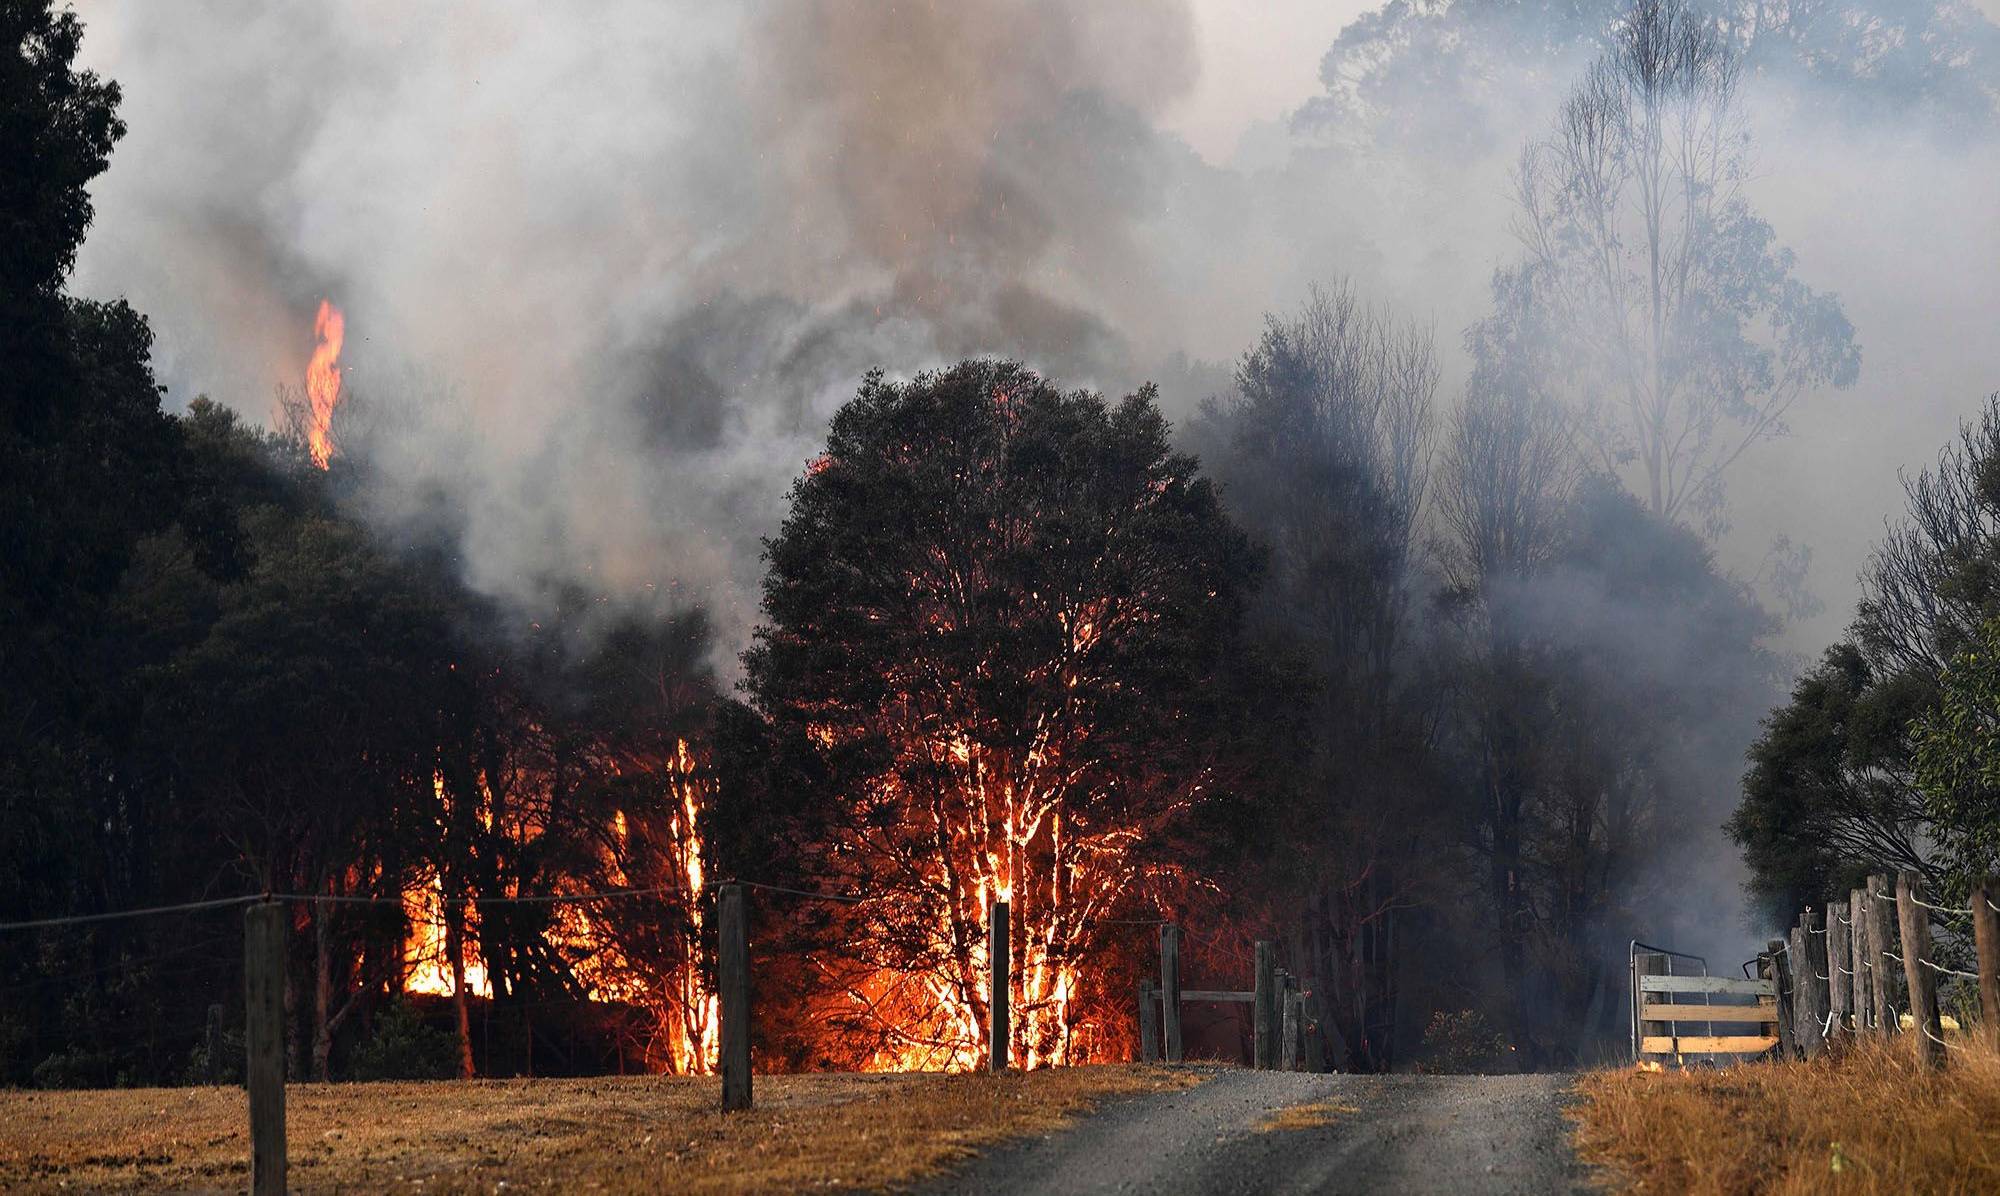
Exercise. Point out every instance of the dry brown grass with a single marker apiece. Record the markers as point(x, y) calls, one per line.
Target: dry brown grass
point(650, 1134)
point(1304, 1117)
point(1869, 1121)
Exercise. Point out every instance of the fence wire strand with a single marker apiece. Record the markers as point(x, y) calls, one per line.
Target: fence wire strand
point(150, 911)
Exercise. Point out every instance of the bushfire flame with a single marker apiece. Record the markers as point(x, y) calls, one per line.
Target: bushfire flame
point(427, 951)
point(667, 980)
point(323, 382)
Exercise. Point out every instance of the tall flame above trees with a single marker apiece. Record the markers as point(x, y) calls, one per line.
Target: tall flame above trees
point(323, 381)
point(999, 618)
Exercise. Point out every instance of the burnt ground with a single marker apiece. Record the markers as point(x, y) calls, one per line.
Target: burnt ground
point(1259, 1132)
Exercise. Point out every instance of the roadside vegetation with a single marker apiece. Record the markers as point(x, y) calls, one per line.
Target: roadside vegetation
point(1866, 1120)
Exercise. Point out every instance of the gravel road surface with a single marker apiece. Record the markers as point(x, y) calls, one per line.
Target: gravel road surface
point(1461, 1135)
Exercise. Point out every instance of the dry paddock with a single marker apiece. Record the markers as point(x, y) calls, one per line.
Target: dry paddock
point(628, 1134)
point(1863, 1120)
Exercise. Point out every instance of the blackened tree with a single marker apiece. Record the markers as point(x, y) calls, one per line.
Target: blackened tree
point(1324, 448)
point(1604, 666)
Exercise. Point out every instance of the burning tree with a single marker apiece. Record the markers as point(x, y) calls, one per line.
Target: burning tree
point(1000, 618)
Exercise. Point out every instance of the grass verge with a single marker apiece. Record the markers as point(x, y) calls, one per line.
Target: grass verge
point(1869, 1120)
point(637, 1134)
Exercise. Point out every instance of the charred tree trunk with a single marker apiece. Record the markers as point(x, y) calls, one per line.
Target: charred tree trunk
point(327, 1017)
point(322, 1037)
point(454, 914)
point(295, 1067)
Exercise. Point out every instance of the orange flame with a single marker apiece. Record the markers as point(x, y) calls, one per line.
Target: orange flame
point(323, 381)
point(426, 950)
point(673, 988)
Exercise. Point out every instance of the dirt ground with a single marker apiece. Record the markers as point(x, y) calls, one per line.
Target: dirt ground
point(1248, 1133)
point(637, 1134)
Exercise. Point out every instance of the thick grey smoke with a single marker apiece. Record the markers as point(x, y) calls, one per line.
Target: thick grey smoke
point(608, 269)
point(645, 250)
point(606, 275)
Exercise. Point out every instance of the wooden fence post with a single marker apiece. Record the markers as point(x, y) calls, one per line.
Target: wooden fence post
point(1288, 1023)
point(1813, 980)
point(1864, 991)
point(1768, 970)
point(733, 979)
point(1879, 964)
point(1149, 1023)
point(1648, 963)
point(1781, 983)
point(1915, 923)
point(1170, 991)
point(1986, 937)
point(264, 1043)
point(1839, 986)
point(999, 1032)
point(1805, 1027)
point(1263, 1005)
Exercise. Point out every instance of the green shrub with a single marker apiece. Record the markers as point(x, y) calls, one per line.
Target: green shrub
point(404, 1048)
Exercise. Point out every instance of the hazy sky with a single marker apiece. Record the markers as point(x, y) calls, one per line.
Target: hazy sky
point(1259, 60)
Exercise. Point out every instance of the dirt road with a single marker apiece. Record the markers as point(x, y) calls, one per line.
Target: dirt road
point(1258, 1132)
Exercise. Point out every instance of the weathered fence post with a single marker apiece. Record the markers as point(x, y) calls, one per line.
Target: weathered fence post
point(733, 979)
point(1000, 1033)
point(1915, 923)
point(1805, 1026)
point(1648, 964)
point(1288, 1023)
point(1878, 955)
point(264, 1043)
point(1149, 1023)
point(1170, 991)
point(1812, 980)
point(1839, 989)
point(1263, 1005)
point(1864, 991)
point(1781, 983)
point(1986, 937)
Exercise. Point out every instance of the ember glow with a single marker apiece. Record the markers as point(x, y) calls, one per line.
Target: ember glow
point(323, 382)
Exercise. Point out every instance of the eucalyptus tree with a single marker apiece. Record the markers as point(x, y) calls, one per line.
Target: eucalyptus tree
point(1650, 297)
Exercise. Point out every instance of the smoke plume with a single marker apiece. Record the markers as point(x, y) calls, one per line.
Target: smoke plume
point(607, 271)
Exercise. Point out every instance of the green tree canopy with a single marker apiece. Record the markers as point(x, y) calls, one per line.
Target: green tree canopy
point(1958, 764)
